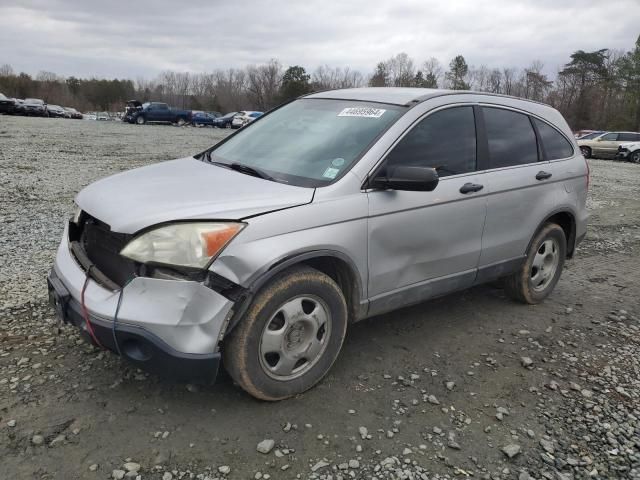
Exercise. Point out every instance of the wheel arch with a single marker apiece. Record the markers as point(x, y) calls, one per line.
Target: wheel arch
point(334, 264)
point(566, 219)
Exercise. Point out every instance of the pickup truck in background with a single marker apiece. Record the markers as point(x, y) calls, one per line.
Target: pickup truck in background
point(154, 112)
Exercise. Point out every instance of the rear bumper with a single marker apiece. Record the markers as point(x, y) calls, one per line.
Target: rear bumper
point(136, 345)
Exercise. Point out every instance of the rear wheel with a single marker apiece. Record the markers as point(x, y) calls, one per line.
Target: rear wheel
point(181, 122)
point(586, 152)
point(539, 274)
point(140, 120)
point(289, 337)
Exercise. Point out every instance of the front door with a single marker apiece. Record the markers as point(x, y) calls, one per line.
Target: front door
point(606, 145)
point(423, 244)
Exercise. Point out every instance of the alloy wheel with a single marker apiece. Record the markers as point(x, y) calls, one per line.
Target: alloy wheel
point(545, 264)
point(295, 337)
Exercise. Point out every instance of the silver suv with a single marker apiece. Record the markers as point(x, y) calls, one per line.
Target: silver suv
point(338, 206)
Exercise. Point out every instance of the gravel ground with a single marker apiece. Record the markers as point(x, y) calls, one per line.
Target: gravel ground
point(468, 385)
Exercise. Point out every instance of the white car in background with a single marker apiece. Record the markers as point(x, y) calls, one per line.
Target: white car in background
point(244, 117)
point(630, 152)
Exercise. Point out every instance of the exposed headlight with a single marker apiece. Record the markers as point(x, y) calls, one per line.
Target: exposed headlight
point(182, 244)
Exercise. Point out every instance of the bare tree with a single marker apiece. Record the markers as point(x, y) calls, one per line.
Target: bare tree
point(433, 72)
point(263, 84)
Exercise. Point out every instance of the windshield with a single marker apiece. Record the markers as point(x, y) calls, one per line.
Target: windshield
point(590, 136)
point(309, 142)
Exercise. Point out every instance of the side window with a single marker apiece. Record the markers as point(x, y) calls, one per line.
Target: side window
point(609, 137)
point(629, 137)
point(555, 145)
point(511, 138)
point(445, 140)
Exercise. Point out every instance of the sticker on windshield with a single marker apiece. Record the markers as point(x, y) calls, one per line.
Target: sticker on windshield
point(330, 172)
point(337, 162)
point(365, 112)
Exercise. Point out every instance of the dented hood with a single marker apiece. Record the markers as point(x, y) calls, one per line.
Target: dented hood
point(181, 190)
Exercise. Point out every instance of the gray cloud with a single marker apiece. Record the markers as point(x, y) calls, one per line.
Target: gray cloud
point(143, 37)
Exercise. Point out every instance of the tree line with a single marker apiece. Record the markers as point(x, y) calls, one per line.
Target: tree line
point(597, 89)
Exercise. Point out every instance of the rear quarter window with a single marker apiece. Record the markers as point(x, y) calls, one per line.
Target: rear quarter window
point(555, 145)
point(511, 138)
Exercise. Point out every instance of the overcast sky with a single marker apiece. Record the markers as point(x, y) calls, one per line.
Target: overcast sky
point(114, 38)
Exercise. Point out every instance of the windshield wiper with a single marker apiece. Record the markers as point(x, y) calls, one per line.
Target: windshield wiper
point(246, 169)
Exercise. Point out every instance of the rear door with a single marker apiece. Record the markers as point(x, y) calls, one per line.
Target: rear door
point(422, 244)
point(522, 190)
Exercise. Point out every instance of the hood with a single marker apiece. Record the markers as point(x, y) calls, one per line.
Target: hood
point(181, 190)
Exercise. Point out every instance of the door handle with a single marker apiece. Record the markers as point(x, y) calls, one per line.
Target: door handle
point(541, 175)
point(471, 187)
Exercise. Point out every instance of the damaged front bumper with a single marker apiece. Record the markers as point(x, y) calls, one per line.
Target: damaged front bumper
point(169, 327)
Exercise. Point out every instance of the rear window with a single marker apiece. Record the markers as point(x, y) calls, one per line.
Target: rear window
point(555, 145)
point(511, 138)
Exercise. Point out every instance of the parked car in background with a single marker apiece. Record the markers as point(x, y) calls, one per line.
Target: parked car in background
point(7, 105)
point(157, 112)
point(201, 119)
point(244, 118)
point(34, 107)
point(18, 108)
point(103, 116)
point(90, 116)
point(629, 152)
point(225, 120)
point(131, 107)
point(56, 111)
point(72, 113)
point(339, 206)
point(606, 144)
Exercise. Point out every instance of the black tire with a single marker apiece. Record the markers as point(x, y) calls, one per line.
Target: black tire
point(242, 347)
point(586, 152)
point(634, 157)
point(519, 286)
point(140, 120)
point(181, 122)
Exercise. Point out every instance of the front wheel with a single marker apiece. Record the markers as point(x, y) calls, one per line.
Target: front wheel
point(538, 275)
point(181, 122)
point(228, 125)
point(290, 336)
point(634, 157)
point(140, 120)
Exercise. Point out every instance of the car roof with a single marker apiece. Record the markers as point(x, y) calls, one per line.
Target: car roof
point(401, 95)
point(393, 95)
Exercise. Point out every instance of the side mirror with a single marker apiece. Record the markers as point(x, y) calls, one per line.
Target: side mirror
point(412, 179)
